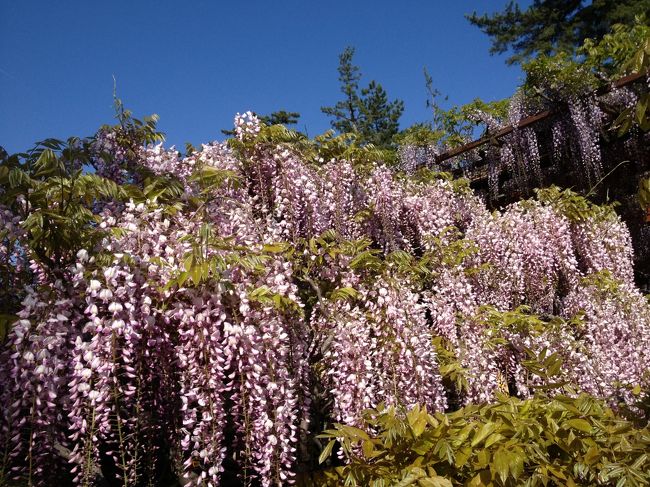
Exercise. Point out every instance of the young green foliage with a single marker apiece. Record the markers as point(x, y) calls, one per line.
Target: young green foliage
point(537, 442)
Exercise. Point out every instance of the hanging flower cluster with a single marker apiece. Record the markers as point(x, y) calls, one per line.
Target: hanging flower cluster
point(615, 336)
point(380, 351)
point(14, 263)
point(110, 157)
point(529, 253)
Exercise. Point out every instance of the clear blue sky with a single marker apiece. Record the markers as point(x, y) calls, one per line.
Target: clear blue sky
point(197, 63)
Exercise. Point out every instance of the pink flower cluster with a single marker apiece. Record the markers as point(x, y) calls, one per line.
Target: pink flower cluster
point(380, 350)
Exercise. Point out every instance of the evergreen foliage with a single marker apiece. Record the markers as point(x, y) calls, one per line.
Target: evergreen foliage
point(281, 117)
point(367, 112)
point(552, 26)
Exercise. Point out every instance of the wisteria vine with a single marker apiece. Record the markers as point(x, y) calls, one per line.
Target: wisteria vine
point(216, 333)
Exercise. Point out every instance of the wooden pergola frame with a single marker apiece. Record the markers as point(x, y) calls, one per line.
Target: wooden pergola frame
point(530, 120)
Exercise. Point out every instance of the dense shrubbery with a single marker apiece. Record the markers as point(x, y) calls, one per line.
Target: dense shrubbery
point(541, 441)
point(207, 315)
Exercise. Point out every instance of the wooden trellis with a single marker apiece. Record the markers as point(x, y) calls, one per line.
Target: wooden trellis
point(525, 122)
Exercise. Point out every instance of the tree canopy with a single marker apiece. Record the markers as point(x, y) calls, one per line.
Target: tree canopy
point(550, 26)
point(281, 117)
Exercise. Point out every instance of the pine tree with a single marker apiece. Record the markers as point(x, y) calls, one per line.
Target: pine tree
point(379, 120)
point(346, 111)
point(281, 117)
point(367, 112)
point(549, 26)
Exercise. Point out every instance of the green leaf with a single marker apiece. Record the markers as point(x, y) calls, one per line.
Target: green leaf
point(183, 277)
point(260, 292)
point(641, 108)
point(482, 479)
point(462, 456)
point(324, 455)
point(554, 363)
point(188, 262)
point(579, 424)
point(276, 248)
point(343, 293)
point(593, 454)
point(422, 446)
point(368, 448)
point(365, 260)
point(640, 461)
point(419, 426)
point(485, 430)
point(417, 419)
point(196, 273)
point(352, 432)
point(434, 482)
point(501, 464)
point(492, 439)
